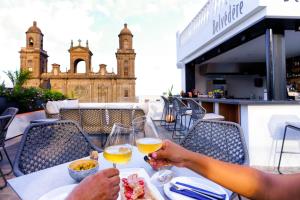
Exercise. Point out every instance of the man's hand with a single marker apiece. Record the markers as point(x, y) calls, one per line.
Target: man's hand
point(101, 186)
point(169, 154)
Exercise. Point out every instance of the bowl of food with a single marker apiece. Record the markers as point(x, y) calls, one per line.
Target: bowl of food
point(79, 169)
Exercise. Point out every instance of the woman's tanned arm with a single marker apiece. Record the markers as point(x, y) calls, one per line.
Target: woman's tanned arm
point(247, 181)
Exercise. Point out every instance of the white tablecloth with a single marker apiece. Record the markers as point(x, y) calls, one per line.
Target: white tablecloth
point(34, 185)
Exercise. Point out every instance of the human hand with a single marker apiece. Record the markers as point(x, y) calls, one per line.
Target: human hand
point(169, 154)
point(101, 186)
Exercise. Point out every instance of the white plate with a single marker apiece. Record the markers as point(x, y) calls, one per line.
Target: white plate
point(58, 193)
point(124, 173)
point(62, 192)
point(197, 182)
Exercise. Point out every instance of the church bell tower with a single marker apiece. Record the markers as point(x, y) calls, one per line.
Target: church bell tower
point(33, 57)
point(125, 54)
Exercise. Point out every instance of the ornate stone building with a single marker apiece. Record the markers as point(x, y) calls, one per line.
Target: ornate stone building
point(101, 86)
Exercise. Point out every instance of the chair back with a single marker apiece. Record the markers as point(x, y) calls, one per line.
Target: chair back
point(178, 106)
point(4, 121)
point(91, 120)
point(6, 118)
point(218, 139)
point(166, 102)
point(73, 114)
point(45, 145)
point(100, 120)
point(10, 111)
point(198, 111)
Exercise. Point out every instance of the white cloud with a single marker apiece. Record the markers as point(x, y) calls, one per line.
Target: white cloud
point(100, 21)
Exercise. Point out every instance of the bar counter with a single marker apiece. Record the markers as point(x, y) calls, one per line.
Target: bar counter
point(263, 124)
point(245, 101)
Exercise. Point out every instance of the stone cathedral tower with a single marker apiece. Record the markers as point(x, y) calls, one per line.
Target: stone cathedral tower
point(33, 57)
point(125, 54)
point(87, 86)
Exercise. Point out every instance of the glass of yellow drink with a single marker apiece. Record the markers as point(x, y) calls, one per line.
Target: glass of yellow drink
point(118, 147)
point(148, 141)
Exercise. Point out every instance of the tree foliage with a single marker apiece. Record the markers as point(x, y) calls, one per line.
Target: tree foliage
point(18, 78)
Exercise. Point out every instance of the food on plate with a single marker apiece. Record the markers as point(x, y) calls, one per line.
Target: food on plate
point(81, 165)
point(135, 188)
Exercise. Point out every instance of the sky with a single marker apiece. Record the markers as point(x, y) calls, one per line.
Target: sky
point(154, 24)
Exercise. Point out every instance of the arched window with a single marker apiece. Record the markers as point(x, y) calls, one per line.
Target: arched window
point(79, 66)
point(126, 73)
point(30, 42)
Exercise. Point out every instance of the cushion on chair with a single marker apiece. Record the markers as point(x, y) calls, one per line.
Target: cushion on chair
point(213, 116)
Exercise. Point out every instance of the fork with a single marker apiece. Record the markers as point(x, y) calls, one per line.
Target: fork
point(206, 195)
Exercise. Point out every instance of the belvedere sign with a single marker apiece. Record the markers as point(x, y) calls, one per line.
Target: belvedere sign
point(233, 13)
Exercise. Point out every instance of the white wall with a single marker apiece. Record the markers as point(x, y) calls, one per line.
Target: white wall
point(243, 86)
point(263, 127)
point(200, 82)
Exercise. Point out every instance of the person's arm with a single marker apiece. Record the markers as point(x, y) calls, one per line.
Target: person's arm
point(243, 180)
point(101, 186)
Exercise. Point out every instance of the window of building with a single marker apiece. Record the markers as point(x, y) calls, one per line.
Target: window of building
point(30, 43)
point(126, 93)
point(126, 73)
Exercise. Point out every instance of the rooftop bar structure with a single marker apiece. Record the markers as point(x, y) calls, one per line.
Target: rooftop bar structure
point(249, 49)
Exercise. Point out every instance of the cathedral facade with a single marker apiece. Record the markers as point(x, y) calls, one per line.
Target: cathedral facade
point(101, 86)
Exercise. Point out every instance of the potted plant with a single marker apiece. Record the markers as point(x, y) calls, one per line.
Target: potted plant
point(218, 93)
point(170, 92)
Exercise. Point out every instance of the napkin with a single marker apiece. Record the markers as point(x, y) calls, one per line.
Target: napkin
point(189, 193)
point(220, 196)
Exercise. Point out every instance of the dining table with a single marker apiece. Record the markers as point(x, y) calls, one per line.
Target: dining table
point(34, 185)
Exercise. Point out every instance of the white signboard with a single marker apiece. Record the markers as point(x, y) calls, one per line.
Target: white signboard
point(214, 18)
point(219, 20)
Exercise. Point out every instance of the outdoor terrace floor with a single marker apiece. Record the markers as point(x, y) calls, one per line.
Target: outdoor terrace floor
point(12, 147)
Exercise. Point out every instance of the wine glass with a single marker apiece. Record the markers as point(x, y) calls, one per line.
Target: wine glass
point(148, 141)
point(118, 147)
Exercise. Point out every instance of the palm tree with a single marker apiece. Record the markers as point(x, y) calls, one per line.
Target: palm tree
point(18, 78)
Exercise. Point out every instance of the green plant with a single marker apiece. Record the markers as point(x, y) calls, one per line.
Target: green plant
point(2, 89)
point(50, 95)
point(18, 78)
point(170, 91)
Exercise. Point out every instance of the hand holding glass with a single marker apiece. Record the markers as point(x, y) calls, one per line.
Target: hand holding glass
point(148, 141)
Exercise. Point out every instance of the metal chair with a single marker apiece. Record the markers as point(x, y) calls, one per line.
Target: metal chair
point(180, 110)
point(167, 112)
point(220, 140)
point(11, 111)
point(289, 125)
point(4, 120)
point(198, 112)
point(45, 145)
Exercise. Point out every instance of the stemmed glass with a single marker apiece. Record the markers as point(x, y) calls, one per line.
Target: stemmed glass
point(118, 147)
point(148, 141)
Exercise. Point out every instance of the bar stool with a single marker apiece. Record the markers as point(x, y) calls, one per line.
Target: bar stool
point(181, 111)
point(291, 125)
